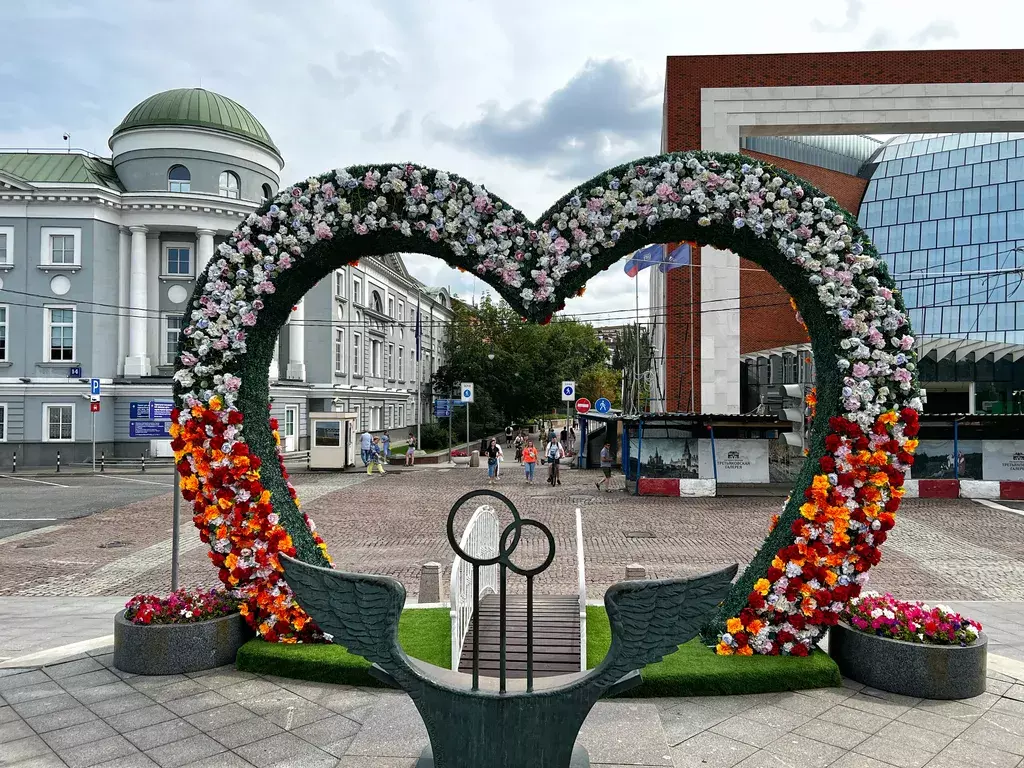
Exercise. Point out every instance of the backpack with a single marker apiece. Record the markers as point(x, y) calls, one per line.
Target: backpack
point(553, 450)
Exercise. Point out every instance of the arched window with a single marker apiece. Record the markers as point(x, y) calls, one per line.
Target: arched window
point(267, 192)
point(378, 305)
point(228, 185)
point(179, 179)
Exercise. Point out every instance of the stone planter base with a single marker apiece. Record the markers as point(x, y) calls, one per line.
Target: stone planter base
point(171, 649)
point(463, 460)
point(912, 669)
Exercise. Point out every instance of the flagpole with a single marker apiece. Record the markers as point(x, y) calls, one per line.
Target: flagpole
point(419, 394)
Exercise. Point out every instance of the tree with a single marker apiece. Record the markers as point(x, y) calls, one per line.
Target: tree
point(600, 381)
point(523, 378)
point(625, 360)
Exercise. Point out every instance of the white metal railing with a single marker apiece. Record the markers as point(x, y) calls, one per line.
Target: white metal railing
point(580, 568)
point(480, 539)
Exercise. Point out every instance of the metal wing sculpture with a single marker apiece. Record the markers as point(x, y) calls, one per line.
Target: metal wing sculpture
point(484, 727)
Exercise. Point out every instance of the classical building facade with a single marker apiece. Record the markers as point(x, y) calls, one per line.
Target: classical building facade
point(98, 258)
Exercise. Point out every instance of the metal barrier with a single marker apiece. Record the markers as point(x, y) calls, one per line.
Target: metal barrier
point(581, 573)
point(479, 540)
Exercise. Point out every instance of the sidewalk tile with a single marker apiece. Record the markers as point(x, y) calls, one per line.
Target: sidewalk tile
point(933, 721)
point(21, 679)
point(77, 735)
point(139, 718)
point(873, 705)
point(72, 668)
point(176, 690)
point(54, 721)
point(178, 753)
point(134, 760)
point(221, 760)
point(292, 716)
point(854, 718)
point(393, 728)
point(43, 761)
point(327, 732)
point(624, 731)
point(961, 753)
point(33, 707)
point(709, 750)
point(748, 731)
point(197, 702)
point(244, 732)
point(999, 730)
point(15, 731)
point(210, 719)
point(94, 679)
point(807, 753)
point(32, 692)
point(23, 749)
point(285, 747)
point(345, 701)
point(96, 752)
point(686, 720)
point(853, 760)
point(153, 736)
point(103, 692)
point(831, 733)
point(118, 704)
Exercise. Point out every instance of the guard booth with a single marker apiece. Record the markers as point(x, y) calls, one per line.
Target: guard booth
point(332, 442)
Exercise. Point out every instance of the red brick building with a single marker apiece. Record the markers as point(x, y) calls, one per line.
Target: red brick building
point(717, 102)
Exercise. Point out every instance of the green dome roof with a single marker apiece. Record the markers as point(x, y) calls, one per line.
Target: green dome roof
point(199, 108)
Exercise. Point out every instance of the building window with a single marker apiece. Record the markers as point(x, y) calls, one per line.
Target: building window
point(340, 279)
point(59, 423)
point(376, 417)
point(339, 350)
point(172, 333)
point(790, 369)
point(61, 333)
point(401, 363)
point(391, 307)
point(357, 342)
point(61, 247)
point(3, 332)
point(357, 291)
point(228, 185)
point(389, 362)
point(327, 434)
point(375, 353)
point(400, 416)
point(178, 260)
point(3, 422)
point(6, 246)
point(378, 305)
point(267, 192)
point(179, 179)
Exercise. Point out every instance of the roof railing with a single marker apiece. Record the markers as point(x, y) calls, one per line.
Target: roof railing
point(53, 151)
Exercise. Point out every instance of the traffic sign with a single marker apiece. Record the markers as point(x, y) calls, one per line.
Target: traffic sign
point(467, 391)
point(94, 386)
point(94, 406)
point(568, 391)
point(582, 405)
point(94, 398)
point(75, 373)
point(603, 405)
point(442, 409)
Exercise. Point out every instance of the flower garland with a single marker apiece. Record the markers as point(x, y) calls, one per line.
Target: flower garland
point(827, 537)
point(886, 616)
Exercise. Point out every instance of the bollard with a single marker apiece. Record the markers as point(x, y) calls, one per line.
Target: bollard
point(14, 466)
point(58, 461)
point(103, 459)
point(143, 462)
point(635, 572)
point(430, 583)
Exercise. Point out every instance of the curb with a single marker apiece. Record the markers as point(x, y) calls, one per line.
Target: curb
point(1010, 490)
point(674, 486)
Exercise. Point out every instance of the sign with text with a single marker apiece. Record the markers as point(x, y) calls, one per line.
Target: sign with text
point(150, 429)
point(1002, 459)
point(467, 391)
point(738, 461)
point(75, 373)
point(152, 409)
point(568, 391)
point(94, 386)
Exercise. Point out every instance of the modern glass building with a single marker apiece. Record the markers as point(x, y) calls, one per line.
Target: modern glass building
point(946, 212)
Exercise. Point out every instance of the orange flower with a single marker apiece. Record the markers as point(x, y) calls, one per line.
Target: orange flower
point(761, 586)
point(724, 650)
point(746, 650)
point(734, 625)
point(888, 418)
point(755, 626)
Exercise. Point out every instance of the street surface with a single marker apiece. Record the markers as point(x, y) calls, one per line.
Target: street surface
point(940, 549)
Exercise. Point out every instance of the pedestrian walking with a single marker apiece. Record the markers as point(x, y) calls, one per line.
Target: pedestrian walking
point(501, 458)
point(410, 454)
point(493, 450)
point(572, 439)
point(385, 443)
point(551, 431)
point(519, 448)
point(529, 460)
point(365, 444)
point(508, 436)
point(376, 458)
point(606, 467)
point(554, 452)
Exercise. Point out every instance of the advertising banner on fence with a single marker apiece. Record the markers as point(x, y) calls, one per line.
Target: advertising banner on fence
point(933, 460)
point(739, 461)
point(1002, 459)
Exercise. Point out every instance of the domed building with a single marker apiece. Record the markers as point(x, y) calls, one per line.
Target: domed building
point(98, 259)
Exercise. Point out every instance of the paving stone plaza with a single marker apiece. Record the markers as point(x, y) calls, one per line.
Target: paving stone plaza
point(75, 709)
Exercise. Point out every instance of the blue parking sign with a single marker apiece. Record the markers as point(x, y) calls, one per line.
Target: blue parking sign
point(94, 386)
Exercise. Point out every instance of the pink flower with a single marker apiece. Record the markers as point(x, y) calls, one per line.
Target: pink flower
point(418, 191)
point(663, 190)
point(561, 245)
point(902, 375)
point(368, 181)
point(322, 231)
point(249, 318)
point(861, 370)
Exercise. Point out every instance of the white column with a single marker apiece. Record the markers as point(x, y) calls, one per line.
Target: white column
point(124, 250)
point(275, 364)
point(205, 249)
point(297, 343)
point(153, 271)
point(720, 305)
point(137, 362)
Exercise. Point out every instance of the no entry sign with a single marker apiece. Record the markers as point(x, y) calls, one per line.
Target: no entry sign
point(582, 405)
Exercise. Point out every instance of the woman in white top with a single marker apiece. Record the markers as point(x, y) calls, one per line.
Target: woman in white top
point(553, 453)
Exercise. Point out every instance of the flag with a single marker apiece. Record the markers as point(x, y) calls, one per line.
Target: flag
point(678, 258)
point(644, 258)
point(419, 329)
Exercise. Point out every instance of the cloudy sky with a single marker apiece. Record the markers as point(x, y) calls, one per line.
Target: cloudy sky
point(528, 98)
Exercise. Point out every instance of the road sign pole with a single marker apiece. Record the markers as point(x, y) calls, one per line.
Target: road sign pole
point(93, 414)
point(176, 518)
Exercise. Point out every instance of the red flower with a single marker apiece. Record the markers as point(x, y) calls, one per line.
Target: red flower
point(799, 650)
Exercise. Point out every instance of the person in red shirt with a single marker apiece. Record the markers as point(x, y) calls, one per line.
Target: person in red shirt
point(529, 460)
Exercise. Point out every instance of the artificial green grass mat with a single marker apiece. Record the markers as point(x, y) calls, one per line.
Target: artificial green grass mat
point(696, 670)
point(693, 670)
point(423, 632)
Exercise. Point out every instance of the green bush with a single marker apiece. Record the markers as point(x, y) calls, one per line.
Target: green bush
point(433, 436)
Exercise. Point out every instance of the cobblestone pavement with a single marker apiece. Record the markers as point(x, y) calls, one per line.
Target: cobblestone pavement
point(939, 550)
point(84, 713)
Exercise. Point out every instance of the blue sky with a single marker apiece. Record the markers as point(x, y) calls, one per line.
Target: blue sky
point(529, 101)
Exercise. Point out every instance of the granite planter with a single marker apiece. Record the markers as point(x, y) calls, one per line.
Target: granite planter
point(462, 460)
point(912, 669)
point(170, 649)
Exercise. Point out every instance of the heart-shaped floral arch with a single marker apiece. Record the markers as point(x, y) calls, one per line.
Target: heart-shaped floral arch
point(828, 534)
